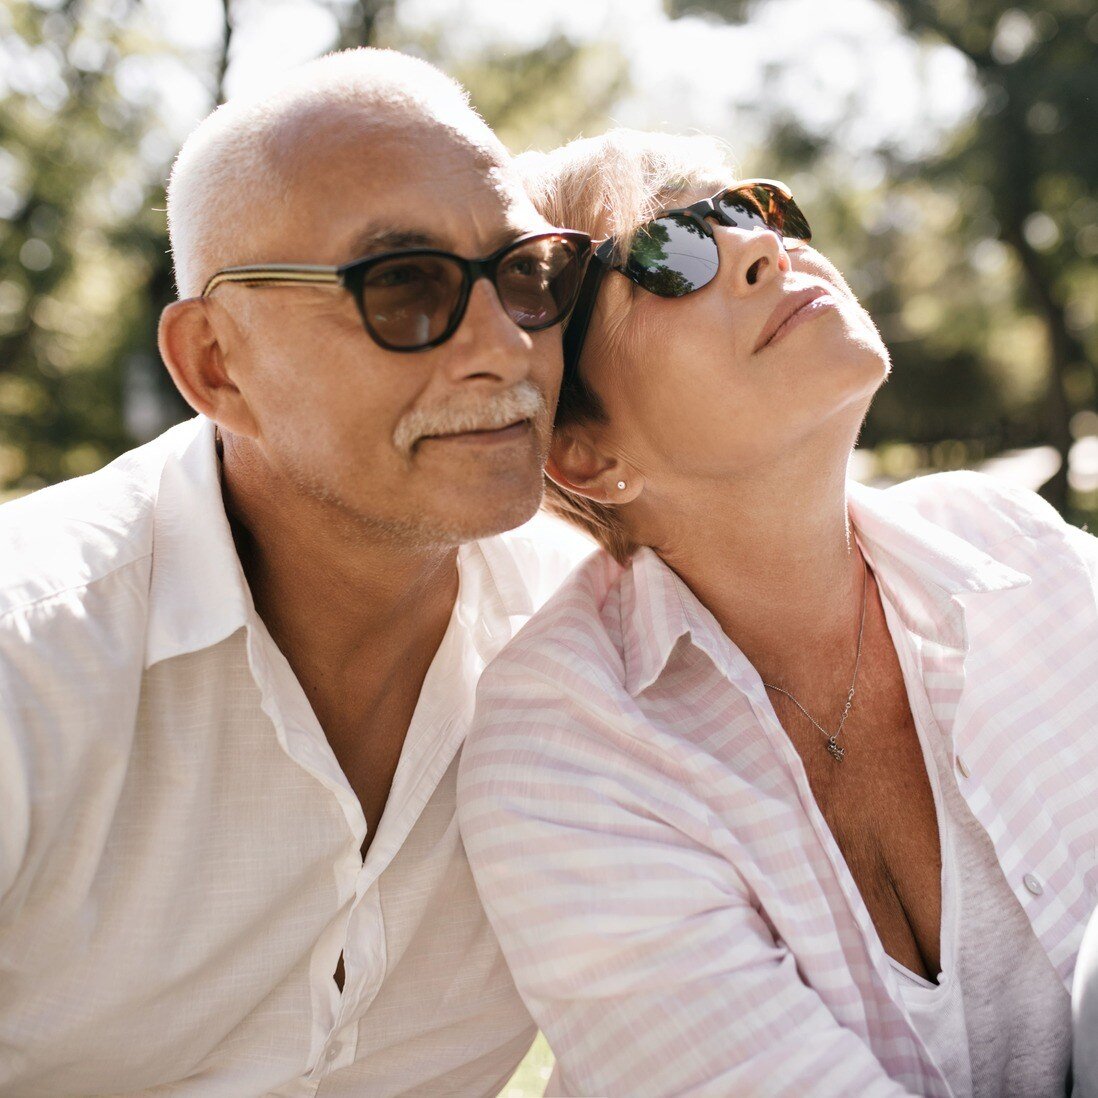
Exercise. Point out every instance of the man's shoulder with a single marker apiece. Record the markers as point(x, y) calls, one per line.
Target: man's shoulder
point(543, 553)
point(79, 532)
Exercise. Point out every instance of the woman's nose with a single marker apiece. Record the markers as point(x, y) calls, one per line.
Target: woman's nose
point(753, 257)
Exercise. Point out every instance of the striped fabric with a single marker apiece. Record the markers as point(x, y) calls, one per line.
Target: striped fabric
point(673, 906)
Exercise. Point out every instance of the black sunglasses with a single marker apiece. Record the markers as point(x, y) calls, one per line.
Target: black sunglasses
point(676, 253)
point(414, 299)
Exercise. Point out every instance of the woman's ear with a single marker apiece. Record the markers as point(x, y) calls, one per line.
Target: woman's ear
point(195, 358)
point(578, 464)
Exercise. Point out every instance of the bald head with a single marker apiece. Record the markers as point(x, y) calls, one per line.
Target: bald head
point(237, 183)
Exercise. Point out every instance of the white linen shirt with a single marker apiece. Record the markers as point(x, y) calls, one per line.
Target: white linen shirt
point(674, 908)
point(180, 861)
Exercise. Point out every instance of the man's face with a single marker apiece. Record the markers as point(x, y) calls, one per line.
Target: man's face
point(366, 430)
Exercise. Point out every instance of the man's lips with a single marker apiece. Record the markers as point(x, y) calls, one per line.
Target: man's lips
point(506, 433)
point(786, 309)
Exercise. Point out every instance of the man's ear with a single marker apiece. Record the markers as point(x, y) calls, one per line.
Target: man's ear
point(195, 359)
point(578, 464)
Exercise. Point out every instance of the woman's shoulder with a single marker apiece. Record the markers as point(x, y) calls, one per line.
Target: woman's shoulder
point(575, 637)
point(981, 509)
point(554, 700)
point(1010, 524)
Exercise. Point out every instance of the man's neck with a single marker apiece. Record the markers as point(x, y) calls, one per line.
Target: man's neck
point(774, 561)
point(331, 596)
point(358, 618)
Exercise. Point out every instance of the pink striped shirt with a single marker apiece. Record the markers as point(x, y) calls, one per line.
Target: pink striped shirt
point(673, 906)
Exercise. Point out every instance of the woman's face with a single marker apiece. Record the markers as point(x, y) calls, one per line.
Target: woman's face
point(692, 387)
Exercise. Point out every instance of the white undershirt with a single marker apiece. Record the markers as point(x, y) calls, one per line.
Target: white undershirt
point(998, 1022)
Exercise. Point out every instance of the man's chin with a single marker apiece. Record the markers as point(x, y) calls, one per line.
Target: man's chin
point(493, 517)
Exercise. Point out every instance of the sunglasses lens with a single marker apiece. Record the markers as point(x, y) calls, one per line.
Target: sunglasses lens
point(672, 256)
point(409, 300)
point(793, 223)
point(761, 207)
point(537, 281)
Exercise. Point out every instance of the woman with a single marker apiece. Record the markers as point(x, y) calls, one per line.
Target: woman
point(793, 788)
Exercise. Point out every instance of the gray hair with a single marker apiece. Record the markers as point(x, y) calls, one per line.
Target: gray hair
point(610, 185)
point(235, 158)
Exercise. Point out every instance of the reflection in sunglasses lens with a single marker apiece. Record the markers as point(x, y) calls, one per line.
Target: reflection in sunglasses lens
point(672, 256)
point(743, 209)
point(537, 282)
point(770, 207)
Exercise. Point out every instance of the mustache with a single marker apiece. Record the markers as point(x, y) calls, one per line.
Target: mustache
point(522, 401)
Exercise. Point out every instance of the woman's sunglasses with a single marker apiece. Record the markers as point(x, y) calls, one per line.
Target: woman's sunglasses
point(676, 253)
point(415, 299)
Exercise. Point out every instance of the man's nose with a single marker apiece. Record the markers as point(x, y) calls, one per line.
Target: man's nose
point(753, 258)
point(488, 344)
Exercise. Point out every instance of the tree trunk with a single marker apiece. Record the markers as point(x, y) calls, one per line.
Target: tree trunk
point(223, 56)
point(1063, 353)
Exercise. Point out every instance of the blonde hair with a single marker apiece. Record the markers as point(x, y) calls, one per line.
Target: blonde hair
point(236, 160)
point(608, 186)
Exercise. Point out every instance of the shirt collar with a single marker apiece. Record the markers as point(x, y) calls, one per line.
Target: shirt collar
point(198, 595)
point(654, 618)
point(493, 591)
point(925, 568)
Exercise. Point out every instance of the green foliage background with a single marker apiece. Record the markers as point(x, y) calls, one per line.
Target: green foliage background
point(977, 261)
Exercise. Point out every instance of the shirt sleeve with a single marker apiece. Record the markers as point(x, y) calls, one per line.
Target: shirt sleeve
point(637, 948)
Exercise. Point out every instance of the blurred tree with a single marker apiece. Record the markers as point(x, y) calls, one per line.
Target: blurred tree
point(84, 153)
point(1021, 173)
point(69, 171)
point(1032, 150)
point(539, 97)
point(361, 22)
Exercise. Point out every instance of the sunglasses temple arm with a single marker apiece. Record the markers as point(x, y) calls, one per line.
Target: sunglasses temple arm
point(580, 318)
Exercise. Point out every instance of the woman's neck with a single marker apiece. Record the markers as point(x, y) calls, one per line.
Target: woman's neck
point(775, 562)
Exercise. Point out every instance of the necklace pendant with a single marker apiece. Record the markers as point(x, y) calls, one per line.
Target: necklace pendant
point(834, 750)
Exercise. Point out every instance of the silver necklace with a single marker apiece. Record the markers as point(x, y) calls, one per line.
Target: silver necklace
point(833, 747)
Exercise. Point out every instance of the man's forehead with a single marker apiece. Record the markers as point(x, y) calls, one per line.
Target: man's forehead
point(468, 209)
point(373, 239)
point(382, 150)
point(365, 186)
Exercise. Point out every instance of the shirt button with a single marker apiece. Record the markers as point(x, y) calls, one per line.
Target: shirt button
point(1032, 884)
point(962, 767)
point(334, 1049)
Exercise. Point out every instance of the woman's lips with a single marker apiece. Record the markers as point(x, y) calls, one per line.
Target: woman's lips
point(805, 313)
point(794, 309)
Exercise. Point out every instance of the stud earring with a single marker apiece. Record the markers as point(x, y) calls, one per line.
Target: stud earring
point(621, 485)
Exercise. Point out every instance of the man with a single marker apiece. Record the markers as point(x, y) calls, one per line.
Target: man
point(236, 666)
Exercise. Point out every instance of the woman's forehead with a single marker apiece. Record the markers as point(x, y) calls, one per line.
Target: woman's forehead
point(672, 194)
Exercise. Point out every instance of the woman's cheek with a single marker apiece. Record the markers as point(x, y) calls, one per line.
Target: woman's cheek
point(803, 257)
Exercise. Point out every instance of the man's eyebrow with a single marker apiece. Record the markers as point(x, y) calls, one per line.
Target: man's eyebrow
point(374, 241)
